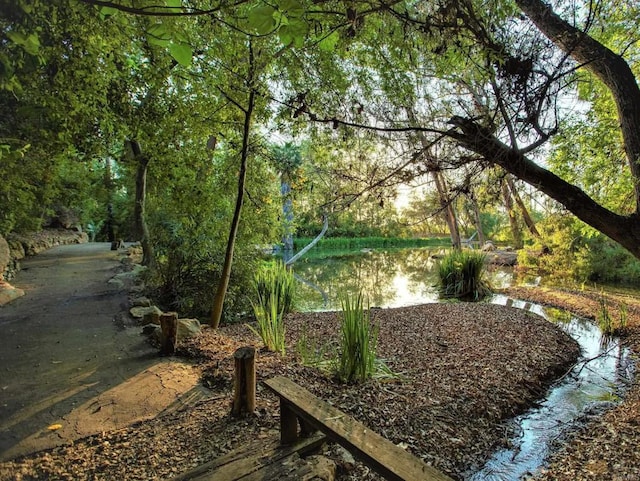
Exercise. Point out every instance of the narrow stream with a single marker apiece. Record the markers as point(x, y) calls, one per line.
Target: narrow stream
point(604, 370)
point(408, 277)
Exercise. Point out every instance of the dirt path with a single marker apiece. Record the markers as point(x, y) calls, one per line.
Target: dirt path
point(68, 360)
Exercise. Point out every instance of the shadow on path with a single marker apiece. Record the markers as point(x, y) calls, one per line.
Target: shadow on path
point(67, 362)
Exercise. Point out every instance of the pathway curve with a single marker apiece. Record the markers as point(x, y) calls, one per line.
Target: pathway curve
point(69, 365)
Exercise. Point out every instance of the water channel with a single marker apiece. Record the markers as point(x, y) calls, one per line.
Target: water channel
point(408, 277)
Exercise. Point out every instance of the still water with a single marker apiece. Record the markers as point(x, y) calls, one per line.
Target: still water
point(392, 278)
point(408, 277)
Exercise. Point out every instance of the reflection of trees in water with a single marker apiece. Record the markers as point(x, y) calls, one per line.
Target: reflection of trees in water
point(373, 272)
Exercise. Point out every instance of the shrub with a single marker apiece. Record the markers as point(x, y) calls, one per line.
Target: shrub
point(357, 361)
point(461, 275)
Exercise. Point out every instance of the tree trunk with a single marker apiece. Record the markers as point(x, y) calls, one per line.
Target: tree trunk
point(623, 229)
point(531, 225)
point(609, 67)
point(476, 219)
point(516, 233)
point(447, 206)
point(307, 248)
point(441, 186)
point(287, 214)
point(141, 228)
point(221, 291)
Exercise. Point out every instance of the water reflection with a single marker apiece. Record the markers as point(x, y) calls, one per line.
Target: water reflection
point(391, 278)
point(597, 379)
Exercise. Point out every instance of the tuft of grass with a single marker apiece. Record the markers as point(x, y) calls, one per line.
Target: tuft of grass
point(461, 275)
point(313, 354)
point(358, 342)
point(274, 287)
point(608, 325)
point(270, 322)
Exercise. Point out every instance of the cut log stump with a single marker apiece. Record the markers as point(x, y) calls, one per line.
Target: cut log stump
point(244, 383)
point(169, 325)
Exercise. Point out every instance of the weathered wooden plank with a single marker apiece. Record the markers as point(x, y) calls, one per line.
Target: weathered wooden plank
point(248, 459)
point(391, 461)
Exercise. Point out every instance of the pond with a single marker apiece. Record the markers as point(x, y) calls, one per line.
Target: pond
point(408, 277)
point(390, 278)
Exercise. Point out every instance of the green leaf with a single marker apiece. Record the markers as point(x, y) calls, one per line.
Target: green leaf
point(328, 43)
point(158, 35)
point(261, 19)
point(182, 52)
point(32, 44)
point(173, 3)
point(17, 37)
point(295, 32)
point(292, 7)
point(108, 11)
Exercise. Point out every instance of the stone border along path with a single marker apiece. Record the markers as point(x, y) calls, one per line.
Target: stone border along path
point(71, 365)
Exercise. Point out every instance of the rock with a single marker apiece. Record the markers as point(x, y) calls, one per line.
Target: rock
point(323, 468)
point(141, 302)
point(9, 293)
point(188, 328)
point(129, 278)
point(147, 315)
point(64, 217)
point(345, 459)
point(5, 256)
point(488, 246)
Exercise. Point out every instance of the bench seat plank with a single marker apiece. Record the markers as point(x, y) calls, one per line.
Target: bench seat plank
point(391, 461)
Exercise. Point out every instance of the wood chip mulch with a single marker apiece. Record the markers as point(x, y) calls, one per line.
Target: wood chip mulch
point(464, 369)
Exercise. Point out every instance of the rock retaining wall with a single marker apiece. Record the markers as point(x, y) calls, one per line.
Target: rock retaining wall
point(21, 245)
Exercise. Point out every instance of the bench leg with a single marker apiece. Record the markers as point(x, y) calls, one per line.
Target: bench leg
point(306, 429)
point(288, 424)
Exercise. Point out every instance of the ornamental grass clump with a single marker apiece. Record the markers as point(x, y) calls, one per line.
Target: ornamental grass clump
point(461, 275)
point(276, 278)
point(274, 287)
point(358, 342)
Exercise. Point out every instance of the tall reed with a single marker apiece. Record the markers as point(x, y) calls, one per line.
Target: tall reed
point(276, 278)
point(461, 275)
point(358, 343)
point(274, 286)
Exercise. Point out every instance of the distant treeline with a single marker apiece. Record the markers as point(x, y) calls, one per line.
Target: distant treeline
point(371, 242)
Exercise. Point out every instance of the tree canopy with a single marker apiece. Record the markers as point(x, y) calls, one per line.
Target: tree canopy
point(376, 93)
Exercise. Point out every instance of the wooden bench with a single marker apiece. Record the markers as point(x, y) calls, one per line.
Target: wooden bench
point(299, 406)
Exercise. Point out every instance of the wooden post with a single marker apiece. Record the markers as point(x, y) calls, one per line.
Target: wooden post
point(169, 325)
point(244, 383)
point(288, 424)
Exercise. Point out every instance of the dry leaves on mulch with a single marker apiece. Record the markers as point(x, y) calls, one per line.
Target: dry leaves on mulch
point(465, 368)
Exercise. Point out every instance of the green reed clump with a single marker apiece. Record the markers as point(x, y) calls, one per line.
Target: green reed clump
point(358, 342)
point(274, 286)
point(461, 275)
point(276, 278)
point(608, 325)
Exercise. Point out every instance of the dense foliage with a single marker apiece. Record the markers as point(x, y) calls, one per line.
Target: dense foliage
point(140, 120)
